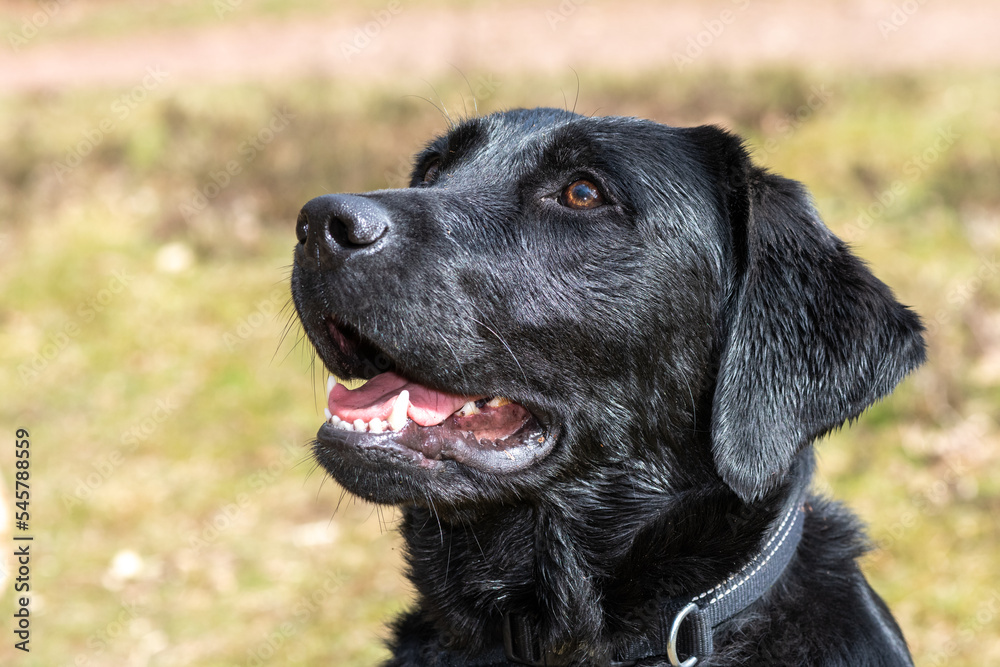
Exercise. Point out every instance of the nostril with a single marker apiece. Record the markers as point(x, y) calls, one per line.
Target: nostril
point(350, 232)
point(340, 231)
point(334, 223)
point(363, 228)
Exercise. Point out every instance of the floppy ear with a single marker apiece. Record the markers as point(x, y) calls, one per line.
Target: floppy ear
point(811, 337)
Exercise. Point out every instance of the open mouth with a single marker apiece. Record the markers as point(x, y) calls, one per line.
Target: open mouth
point(401, 417)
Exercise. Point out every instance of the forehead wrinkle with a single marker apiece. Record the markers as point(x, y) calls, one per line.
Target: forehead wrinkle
point(513, 146)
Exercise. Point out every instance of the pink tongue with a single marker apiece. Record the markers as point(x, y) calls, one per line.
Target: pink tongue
point(376, 397)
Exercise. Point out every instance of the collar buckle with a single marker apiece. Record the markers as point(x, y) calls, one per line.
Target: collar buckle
point(675, 629)
point(523, 644)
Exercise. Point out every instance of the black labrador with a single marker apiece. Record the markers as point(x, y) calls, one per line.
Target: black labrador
point(598, 352)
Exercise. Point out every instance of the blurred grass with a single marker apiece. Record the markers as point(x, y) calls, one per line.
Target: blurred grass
point(176, 519)
point(120, 19)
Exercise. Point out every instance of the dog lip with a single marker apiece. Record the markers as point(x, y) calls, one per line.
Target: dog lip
point(340, 338)
point(435, 446)
point(346, 352)
point(432, 446)
point(346, 339)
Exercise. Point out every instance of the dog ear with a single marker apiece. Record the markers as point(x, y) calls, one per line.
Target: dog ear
point(810, 337)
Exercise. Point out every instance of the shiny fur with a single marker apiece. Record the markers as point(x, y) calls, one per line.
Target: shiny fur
point(688, 342)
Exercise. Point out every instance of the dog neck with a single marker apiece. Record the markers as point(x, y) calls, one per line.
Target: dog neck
point(581, 567)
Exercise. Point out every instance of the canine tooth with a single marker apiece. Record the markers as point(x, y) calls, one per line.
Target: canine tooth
point(468, 409)
point(360, 426)
point(331, 382)
point(376, 425)
point(329, 415)
point(499, 402)
point(397, 418)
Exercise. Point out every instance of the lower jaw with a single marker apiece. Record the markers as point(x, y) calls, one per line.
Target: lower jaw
point(436, 447)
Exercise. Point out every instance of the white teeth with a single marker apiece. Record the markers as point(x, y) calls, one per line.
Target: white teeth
point(498, 402)
point(397, 418)
point(468, 409)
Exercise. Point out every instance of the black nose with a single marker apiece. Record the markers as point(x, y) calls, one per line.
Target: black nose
point(338, 224)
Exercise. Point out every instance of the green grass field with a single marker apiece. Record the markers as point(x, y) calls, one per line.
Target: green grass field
point(145, 250)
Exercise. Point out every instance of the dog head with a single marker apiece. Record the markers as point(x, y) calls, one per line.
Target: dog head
point(557, 296)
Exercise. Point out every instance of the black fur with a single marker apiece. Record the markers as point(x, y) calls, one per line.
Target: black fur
point(683, 345)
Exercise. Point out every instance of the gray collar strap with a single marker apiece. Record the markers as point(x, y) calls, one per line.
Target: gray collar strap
point(681, 628)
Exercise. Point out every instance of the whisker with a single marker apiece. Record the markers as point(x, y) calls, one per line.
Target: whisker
point(504, 343)
point(577, 98)
point(437, 518)
point(429, 101)
point(472, 92)
point(447, 115)
point(458, 362)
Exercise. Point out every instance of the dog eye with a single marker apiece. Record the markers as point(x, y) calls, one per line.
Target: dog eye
point(581, 194)
point(431, 173)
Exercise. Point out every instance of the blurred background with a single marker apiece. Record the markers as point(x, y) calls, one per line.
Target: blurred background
point(154, 155)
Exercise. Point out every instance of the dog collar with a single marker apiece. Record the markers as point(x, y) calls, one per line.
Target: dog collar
point(681, 628)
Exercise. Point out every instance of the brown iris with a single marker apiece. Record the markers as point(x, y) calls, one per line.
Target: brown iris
point(581, 194)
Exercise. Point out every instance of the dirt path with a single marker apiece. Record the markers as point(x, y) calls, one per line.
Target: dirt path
point(547, 36)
